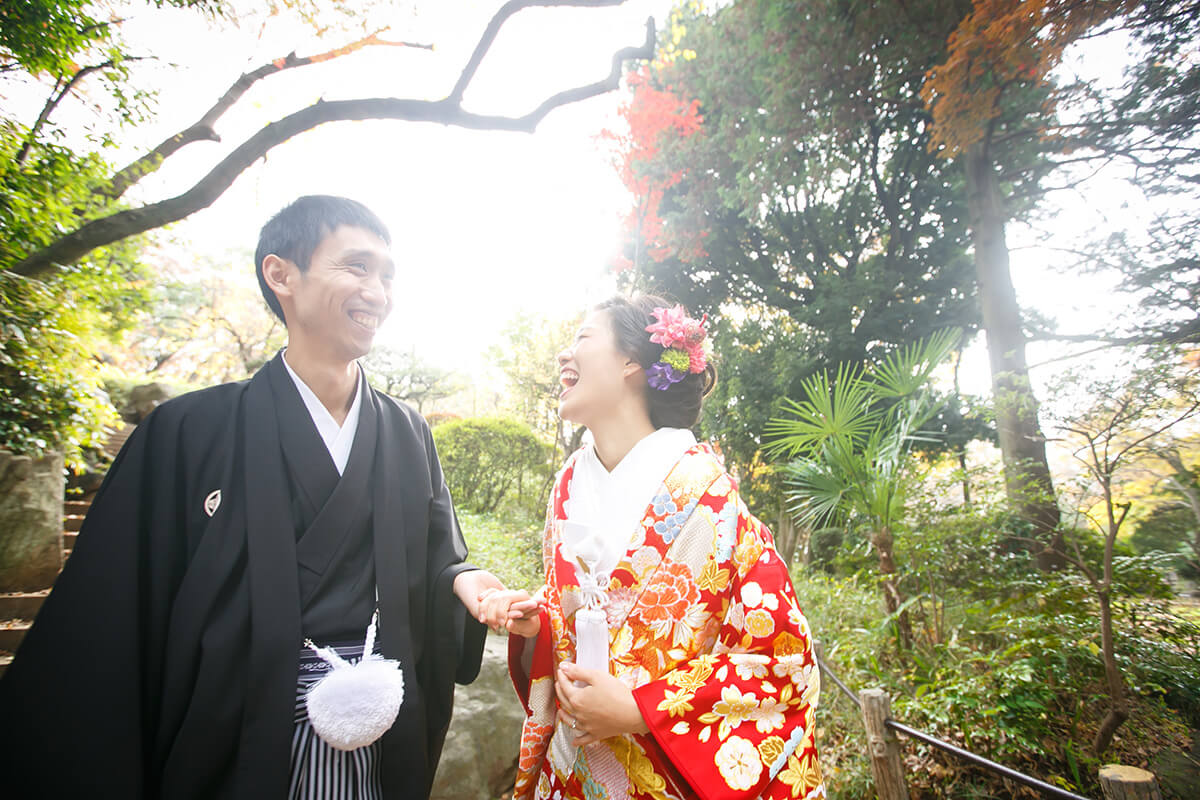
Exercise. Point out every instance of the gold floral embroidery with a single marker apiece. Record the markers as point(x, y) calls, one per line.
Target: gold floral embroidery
point(638, 767)
point(760, 623)
point(691, 680)
point(676, 703)
point(770, 749)
point(713, 578)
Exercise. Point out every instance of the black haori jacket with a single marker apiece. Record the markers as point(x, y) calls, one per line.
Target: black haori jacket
point(163, 664)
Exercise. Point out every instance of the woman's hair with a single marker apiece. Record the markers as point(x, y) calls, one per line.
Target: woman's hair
point(677, 406)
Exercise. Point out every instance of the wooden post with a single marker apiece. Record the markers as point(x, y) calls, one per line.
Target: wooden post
point(1128, 783)
point(882, 746)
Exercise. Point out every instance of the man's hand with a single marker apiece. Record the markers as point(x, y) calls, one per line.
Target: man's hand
point(472, 585)
point(511, 609)
point(599, 707)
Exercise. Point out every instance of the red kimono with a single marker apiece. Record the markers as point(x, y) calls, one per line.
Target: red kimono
point(705, 629)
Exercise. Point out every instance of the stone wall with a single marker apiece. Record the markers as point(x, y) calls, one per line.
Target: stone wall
point(479, 761)
point(31, 521)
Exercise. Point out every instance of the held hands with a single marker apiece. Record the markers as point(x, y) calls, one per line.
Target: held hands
point(511, 609)
point(595, 705)
point(472, 585)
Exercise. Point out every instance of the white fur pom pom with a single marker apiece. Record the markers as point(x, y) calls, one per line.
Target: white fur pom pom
point(353, 706)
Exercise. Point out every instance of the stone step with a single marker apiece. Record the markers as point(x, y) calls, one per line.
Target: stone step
point(21, 605)
point(69, 538)
point(76, 507)
point(5, 660)
point(72, 522)
point(11, 634)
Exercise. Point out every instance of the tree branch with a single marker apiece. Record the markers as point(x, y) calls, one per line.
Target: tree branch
point(48, 109)
point(203, 130)
point(106, 230)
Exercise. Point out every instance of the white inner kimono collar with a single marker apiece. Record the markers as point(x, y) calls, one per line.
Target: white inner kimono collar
point(613, 504)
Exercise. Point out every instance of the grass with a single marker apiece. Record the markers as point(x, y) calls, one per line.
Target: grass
point(508, 544)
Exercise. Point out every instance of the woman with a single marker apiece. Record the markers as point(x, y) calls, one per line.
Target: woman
point(666, 656)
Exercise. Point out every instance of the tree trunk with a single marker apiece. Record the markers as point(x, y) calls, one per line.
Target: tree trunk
point(1027, 479)
point(1118, 710)
point(892, 599)
point(787, 535)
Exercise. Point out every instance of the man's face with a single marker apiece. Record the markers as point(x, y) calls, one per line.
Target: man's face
point(345, 294)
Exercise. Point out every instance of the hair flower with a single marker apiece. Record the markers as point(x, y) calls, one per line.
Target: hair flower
point(660, 376)
point(683, 339)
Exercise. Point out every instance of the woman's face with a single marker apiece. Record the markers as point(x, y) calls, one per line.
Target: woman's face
point(593, 373)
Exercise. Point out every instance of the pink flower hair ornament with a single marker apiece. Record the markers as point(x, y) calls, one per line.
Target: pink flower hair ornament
point(683, 340)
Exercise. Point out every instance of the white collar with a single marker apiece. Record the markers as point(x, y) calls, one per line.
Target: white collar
point(338, 439)
point(614, 503)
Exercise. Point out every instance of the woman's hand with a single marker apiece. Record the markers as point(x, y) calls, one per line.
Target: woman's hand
point(511, 609)
point(599, 707)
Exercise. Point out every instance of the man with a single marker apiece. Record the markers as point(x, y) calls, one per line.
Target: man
point(238, 522)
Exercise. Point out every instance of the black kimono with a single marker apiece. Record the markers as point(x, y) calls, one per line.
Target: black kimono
point(164, 663)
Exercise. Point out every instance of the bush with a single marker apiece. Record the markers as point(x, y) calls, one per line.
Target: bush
point(488, 458)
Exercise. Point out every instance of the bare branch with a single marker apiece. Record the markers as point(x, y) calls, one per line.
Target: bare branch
point(106, 230)
point(203, 130)
point(493, 30)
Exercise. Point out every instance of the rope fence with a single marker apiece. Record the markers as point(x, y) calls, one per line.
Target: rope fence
point(883, 749)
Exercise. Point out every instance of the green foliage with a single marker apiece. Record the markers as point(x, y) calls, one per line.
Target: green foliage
point(1168, 529)
point(850, 436)
point(1006, 661)
point(49, 329)
point(508, 544)
point(488, 458)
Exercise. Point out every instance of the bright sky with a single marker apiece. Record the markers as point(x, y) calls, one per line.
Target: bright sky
point(485, 223)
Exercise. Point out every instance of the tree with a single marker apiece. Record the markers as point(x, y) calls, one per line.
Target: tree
point(850, 438)
point(995, 88)
point(782, 192)
point(527, 354)
point(108, 228)
point(407, 377)
point(1128, 415)
point(65, 248)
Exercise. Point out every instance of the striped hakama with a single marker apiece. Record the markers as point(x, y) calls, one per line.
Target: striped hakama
point(319, 771)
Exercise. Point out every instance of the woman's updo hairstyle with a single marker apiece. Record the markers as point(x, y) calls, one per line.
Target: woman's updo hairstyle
point(677, 406)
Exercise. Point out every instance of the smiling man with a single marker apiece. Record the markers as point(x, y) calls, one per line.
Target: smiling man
point(238, 523)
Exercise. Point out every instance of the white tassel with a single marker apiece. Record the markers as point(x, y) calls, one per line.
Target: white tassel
point(355, 704)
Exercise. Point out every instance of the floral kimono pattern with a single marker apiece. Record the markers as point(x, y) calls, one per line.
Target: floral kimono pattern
point(705, 629)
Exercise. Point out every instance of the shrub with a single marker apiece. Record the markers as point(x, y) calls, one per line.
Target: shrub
point(485, 459)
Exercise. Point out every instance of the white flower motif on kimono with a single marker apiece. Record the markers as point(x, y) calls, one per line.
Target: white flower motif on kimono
point(769, 715)
point(620, 601)
point(750, 666)
point(792, 666)
point(645, 559)
point(739, 764)
point(734, 708)
point(752, 594)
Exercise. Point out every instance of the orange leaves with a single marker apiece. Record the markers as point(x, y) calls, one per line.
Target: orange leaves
point(1002, 43)
point(655, 117)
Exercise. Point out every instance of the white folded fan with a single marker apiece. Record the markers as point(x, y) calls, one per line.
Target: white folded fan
point(355, 704)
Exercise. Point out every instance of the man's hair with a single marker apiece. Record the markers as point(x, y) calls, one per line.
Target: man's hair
point(296, 231)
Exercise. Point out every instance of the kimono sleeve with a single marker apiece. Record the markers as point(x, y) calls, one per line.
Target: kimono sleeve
point(738, 722)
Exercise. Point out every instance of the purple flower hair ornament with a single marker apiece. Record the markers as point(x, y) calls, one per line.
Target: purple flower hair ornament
point(660, 376)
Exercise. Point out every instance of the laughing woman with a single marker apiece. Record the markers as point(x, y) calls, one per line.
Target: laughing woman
point(666, 656)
